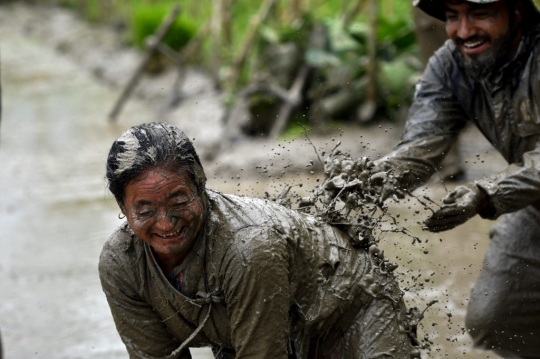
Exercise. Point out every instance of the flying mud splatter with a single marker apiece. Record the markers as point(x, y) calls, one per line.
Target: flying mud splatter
point(350, 198)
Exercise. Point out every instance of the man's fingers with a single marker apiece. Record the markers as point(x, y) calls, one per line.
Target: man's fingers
point(450, 197)
point(453, 196)
point(446, 219)
point(446, 215)
point(448, 211)
point(433, 223)
point(441, 228)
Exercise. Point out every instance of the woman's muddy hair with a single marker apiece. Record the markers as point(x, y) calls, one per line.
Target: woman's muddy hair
point(148, 146)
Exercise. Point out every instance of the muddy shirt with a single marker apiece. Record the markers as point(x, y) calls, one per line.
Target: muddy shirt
point(275, 279)
point(506, 109)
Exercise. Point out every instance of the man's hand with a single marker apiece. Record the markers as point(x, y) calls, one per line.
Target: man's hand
point(459, 206)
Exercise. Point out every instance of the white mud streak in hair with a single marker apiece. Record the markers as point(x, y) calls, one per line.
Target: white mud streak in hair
point(152, 153)
point(127, 159)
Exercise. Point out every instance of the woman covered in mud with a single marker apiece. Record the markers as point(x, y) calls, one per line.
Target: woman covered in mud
point(247, 277)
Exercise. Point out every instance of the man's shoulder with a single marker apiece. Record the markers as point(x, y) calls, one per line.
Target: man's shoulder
point(446, 58)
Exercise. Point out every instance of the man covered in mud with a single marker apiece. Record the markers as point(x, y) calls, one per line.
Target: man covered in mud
point(489, 73)
point(247, 277)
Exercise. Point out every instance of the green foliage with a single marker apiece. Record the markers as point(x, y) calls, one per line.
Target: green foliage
point(340, 56)
point(147, 18)
point(396, 83)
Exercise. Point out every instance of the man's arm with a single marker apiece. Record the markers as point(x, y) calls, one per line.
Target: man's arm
point(434, 121)
point(513, 189)
point(256, 285)
point(140, 328)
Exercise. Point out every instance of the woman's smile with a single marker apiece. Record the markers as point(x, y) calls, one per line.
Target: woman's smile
point(164, 209)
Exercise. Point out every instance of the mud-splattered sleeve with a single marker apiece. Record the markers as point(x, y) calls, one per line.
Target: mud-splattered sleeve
point(140, 328)
point(517, 187)
point(434, 121)
point(255, 281)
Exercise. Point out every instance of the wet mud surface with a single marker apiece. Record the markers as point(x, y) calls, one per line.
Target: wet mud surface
point(55, 213)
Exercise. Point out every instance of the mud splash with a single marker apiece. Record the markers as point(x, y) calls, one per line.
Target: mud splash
point(351, 199)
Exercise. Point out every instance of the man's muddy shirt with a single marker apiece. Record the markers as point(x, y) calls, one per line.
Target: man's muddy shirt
point(506, 109)
point(275, 277)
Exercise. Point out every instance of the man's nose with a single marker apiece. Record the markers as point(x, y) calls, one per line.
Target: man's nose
point(466, 28)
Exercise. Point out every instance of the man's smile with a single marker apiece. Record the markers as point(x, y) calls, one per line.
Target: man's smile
point(474, 46)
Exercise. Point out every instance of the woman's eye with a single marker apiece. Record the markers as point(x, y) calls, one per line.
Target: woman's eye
point(145, 214)
point(180, 201)
point(180, 204)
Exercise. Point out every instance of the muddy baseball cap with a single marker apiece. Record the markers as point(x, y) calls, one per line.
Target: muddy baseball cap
point(435, 8)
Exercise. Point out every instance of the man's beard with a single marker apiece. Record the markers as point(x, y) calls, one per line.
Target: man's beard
point(482, 66)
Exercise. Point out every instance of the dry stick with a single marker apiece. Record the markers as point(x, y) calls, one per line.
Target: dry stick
point(372, 87)
point(170, 53)
point(195, 43)
point(345, 7)
point(151, 50)
point(226, 22)
point(293, 101)
point(215, 31)
point(183, 55)
point(372, 50)
point(296, 9)
point(240, 60)
point(351, 15)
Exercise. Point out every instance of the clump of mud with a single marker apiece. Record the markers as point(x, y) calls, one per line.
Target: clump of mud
point(351, 198)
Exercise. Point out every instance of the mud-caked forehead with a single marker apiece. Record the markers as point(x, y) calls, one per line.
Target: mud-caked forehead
point(153, 145)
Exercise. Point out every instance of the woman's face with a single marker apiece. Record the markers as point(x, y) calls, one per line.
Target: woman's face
point(164, 209)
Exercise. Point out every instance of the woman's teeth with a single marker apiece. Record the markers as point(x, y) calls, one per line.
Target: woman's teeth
point(172, 234)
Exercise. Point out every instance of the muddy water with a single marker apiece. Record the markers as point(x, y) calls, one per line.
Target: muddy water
point(55, 215)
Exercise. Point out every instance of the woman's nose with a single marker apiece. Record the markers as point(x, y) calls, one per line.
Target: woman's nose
point(165, 221)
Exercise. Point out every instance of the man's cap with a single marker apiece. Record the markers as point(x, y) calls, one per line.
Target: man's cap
point(435, 8)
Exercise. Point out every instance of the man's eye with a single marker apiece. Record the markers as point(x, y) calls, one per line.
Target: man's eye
point(482, 14)
point(451, 17)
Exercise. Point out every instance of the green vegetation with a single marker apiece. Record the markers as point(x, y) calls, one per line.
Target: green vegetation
point(146, 19)
point(338, 56)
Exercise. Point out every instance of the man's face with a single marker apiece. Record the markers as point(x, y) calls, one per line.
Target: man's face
point(164, 209)
point(485, 34)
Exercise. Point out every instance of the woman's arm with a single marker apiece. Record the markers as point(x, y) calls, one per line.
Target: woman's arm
point(140, 328)
point(256, 286)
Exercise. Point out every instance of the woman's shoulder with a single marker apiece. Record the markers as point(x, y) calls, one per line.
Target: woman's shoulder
point(259, 211)
point(120, 249)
